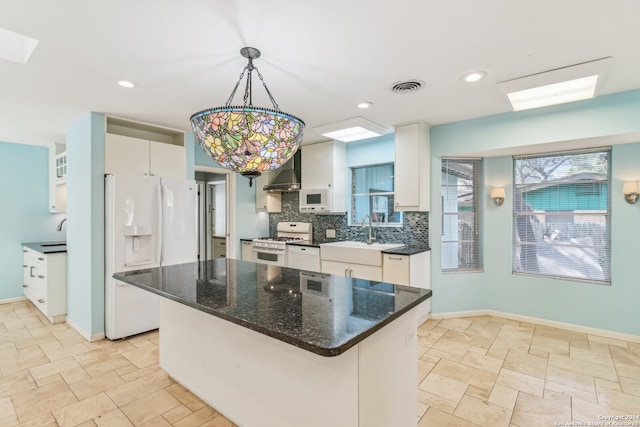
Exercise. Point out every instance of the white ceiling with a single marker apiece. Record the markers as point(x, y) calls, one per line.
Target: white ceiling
point(319, 59)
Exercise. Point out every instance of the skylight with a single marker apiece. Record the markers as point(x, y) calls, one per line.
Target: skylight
point(353, 129)
point(567, 84)
point(16, 47)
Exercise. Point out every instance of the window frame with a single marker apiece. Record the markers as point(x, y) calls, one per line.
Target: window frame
point(391, 194)
point(477, 178)
point(576, 213)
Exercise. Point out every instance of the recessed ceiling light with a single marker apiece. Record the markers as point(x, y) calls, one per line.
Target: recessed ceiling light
point(559, 86)
point(473, 76)
point(353, 129)
point(126, 83)
point(365, 105)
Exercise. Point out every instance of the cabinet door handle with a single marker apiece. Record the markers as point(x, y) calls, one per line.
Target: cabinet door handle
point(41, 301)
point(350, 273)
point(396, 257)
point(25, 251)
point(25, 286)
point(40, 276)
point(346, 272)
point(40, 258)
point(24, 265)
point(31, 271)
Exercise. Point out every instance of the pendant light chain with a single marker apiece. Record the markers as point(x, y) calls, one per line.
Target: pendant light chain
point(233, 92)
point(273, 101)
point(248, 101)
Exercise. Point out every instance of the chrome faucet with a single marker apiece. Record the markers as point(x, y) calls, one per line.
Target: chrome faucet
point(59, 227)
point(371, 238)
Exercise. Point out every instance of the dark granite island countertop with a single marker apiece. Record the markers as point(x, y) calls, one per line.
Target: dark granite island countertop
point(321, 313)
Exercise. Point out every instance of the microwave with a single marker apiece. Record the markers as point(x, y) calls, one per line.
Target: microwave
point(317, 200)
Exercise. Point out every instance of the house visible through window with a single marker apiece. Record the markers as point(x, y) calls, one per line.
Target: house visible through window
point(461, 181)
point(562, 215)
point(372, 192)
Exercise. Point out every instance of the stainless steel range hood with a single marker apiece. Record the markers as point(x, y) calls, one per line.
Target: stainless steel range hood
point(289, 177)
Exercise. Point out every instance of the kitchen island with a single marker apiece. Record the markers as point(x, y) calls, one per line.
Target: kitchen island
point(273, 346)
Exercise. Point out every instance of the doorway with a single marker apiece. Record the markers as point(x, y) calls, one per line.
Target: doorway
point(214, 222)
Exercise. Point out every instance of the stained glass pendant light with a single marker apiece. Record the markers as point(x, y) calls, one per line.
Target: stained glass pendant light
point(248, 139)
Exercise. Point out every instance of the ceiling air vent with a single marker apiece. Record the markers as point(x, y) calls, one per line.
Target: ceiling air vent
point(407, 86)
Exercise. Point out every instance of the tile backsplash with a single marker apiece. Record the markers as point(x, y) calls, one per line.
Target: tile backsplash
point(414, 230)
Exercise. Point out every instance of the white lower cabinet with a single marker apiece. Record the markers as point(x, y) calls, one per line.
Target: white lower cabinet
point(358, 271)
point(303, 257)
point(247, 248)
point(219, 247)
point(45, 282)
point(412, 270)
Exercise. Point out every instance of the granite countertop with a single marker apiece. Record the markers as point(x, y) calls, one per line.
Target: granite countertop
point(47, 247)
point(407, 250)
point(307, 243)
point(318, 312)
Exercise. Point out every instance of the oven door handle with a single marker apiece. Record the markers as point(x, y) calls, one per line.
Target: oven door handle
point(268, 250)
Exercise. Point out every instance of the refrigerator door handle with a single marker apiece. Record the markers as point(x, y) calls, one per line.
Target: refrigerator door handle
point(160, 224)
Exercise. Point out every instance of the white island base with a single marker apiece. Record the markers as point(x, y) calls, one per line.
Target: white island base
point(258, 381)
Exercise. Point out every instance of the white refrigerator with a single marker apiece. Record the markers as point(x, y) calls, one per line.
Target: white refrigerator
point(149, 222)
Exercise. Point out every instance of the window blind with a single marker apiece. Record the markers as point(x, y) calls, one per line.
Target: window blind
point(562, 215)
point(460, 191)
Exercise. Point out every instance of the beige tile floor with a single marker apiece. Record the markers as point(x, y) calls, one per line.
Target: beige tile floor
point(491, 372)
point(481, 371)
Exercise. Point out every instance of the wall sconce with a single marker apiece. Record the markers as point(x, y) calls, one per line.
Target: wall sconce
point(630, 190)
point(497, 194)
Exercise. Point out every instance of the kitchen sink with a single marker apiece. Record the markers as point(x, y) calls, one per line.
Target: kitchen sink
point(355, 252)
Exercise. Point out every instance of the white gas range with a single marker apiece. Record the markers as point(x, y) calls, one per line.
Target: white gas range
point(273, 250)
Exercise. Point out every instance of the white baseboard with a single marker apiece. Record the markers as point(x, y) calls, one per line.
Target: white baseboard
point(10, 300)
point(89, 337)
point(544, 322)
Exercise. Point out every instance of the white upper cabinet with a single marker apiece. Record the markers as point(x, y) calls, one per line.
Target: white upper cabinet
point(124, 154)
point(412, 166)
point(167, 160)
point(324, 165)
point(141, 149)
point(265, 201)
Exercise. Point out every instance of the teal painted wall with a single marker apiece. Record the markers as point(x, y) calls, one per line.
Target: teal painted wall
point(605, 307)
point(85, 227)
point(370, 151)
point(24, 217)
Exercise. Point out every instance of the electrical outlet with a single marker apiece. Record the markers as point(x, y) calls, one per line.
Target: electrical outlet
point(331, 233)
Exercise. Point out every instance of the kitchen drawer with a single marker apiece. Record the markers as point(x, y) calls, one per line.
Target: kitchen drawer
point(219, 242)
point(219, 247)
point(45, 282)
point(395, 269)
